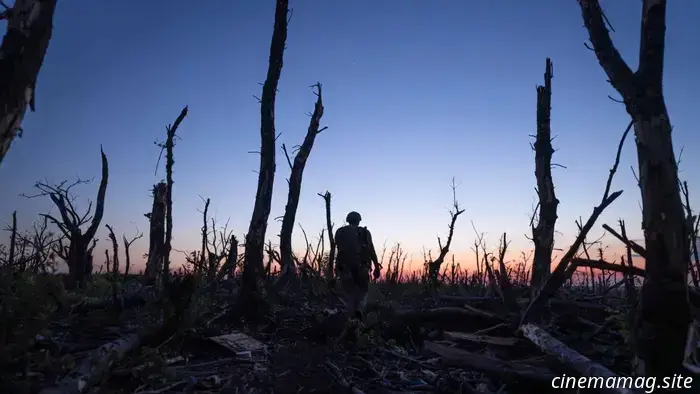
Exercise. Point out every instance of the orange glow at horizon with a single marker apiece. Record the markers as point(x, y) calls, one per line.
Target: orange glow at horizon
point(414, 261)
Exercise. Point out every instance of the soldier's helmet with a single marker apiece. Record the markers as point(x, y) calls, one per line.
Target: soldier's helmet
point(353, 217)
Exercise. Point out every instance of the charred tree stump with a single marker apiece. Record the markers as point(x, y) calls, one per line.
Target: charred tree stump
point(664, 312)
point(289, 271)
point(255, 238)
point(29, 29)
point(543, 232)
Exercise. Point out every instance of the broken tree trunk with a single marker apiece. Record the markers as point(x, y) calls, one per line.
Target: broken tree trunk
point(156, 246)
point(490, 365)
point(29, 29)
point(204, 254)
point(13, 241)
point(543, 232)
point(115, 265)
point(572, 359)
point(94, 368)
point(127, 253)
point(692, 221)
point(330, 272)
point(664, 311)
point(288, 267)
point(229, 266)
point(563, 271)
point(169, 162)
point(434, 266)
point(636, 248)
point(255, 238)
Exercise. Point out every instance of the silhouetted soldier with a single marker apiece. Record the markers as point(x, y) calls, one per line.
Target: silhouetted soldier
point(355, 256)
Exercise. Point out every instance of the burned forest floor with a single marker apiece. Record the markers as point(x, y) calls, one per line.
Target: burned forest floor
point(454, 340)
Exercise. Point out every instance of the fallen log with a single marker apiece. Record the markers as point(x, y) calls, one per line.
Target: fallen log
point(571, 358)
point(338, 375)
point(482, 339)
point(492, 366)
point(448, 313)
point(130, 298)
point(95, 368)
point(524, 302)
point(467, 299)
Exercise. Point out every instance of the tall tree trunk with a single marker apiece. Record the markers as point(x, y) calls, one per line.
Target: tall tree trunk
point(29, 29)
point(330, 272)
point(169, 162)
point(287, 259)
point(127, 257)
point(77, 262)
point(156, 246)
point(255, 238)
point(663, 311)
point(543, 233)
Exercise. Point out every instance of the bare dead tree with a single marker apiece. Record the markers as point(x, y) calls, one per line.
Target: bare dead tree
point(564, 269)
point(169, 162)
point(13, 240)
point(220, 247)
point(272, 257)
point(693, 222)
point(29, 29)
point(543, 232)
point(330, 273)
point(664, 312)
point(229, 265)
point(127, 246)
point(205, 237)
point(288, 269)
point(115, 249)
point(156, 244)
point(584, 246)
point(434, 265)
point(255, 238)
point(34, 250)
point(115, 264)
point(504, 281)
point(78, 255)
point(395, 264)
point(318, 253)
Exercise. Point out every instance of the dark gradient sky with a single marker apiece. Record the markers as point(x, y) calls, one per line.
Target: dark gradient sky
point(416, 92)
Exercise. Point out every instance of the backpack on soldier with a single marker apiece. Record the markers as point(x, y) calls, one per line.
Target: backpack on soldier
point(363, 235)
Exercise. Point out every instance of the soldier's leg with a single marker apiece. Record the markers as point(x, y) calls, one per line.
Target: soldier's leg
point(362, 288)
point(347, 283)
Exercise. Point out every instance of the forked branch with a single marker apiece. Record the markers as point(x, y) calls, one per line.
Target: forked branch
point(561, 273)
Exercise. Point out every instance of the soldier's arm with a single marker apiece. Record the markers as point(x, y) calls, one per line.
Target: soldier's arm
point(337, 235)
point(338, 240)
point(372, 251)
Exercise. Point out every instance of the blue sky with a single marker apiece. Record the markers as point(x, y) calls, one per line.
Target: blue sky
point(415, 92)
